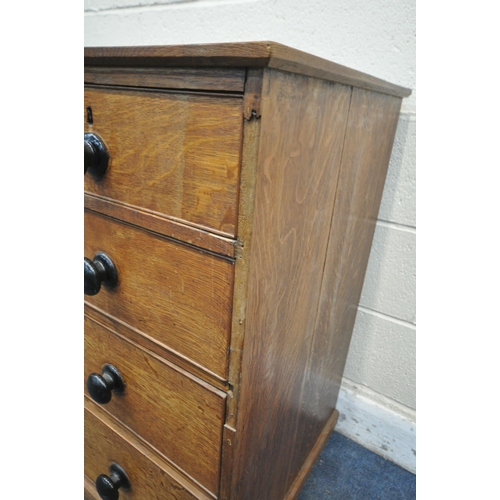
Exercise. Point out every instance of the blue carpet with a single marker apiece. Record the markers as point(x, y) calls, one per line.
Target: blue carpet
point(347, 471)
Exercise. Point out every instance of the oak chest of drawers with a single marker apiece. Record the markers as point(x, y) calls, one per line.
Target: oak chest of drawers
point(231, 192)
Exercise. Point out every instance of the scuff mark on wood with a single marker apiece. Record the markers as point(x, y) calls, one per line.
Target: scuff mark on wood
point(253, 92)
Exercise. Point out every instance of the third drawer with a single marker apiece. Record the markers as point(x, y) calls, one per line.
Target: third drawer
point(177, 414)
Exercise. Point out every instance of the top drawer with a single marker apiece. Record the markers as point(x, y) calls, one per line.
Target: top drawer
point(176, 154)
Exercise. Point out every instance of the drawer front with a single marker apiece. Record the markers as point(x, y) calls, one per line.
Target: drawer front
point(106, 443)
point(174, 154)
point(177, 414)
point(174, 294)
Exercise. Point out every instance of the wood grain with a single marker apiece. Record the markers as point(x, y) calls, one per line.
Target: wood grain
point(172, 292)
point(149, 343)
point(159, 223)
point(213, 79)
point(229, 55)
point(237, 294)
point(244, 245)
point(89, 490)
point(150, 479)
point(315, 452)
point(177, 414)
point(302, 131)
point(370, 133)
point(175, 154)
point(296, 61)
point(242, 54)
point(253, 92)
point(227, 461)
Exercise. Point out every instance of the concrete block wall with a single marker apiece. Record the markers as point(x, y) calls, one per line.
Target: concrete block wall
point(377, 400)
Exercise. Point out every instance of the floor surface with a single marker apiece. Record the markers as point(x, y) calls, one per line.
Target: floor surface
point(347, 471)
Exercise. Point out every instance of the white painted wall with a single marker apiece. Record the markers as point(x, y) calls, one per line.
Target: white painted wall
point(377, 37)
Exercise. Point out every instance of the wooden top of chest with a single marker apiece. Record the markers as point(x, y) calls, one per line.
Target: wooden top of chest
point(241, 54)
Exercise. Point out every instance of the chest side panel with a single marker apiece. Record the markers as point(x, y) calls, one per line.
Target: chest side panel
point(302, 131)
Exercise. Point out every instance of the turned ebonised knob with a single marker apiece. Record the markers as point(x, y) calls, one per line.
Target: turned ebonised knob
point(96, 155)
point(108, 486)
point(97, 272)
point(100, 387)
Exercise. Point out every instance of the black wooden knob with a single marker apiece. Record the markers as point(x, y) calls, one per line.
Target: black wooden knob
point(96, 155)
point(108, 486)
point(97, 272)
point(100, 387)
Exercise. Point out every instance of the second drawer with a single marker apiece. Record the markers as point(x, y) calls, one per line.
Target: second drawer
point(179, 415)
point(172, 293)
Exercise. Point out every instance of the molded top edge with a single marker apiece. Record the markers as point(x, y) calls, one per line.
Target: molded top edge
point(240, 54)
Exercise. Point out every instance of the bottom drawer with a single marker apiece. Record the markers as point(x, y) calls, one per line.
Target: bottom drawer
point(107, 443)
